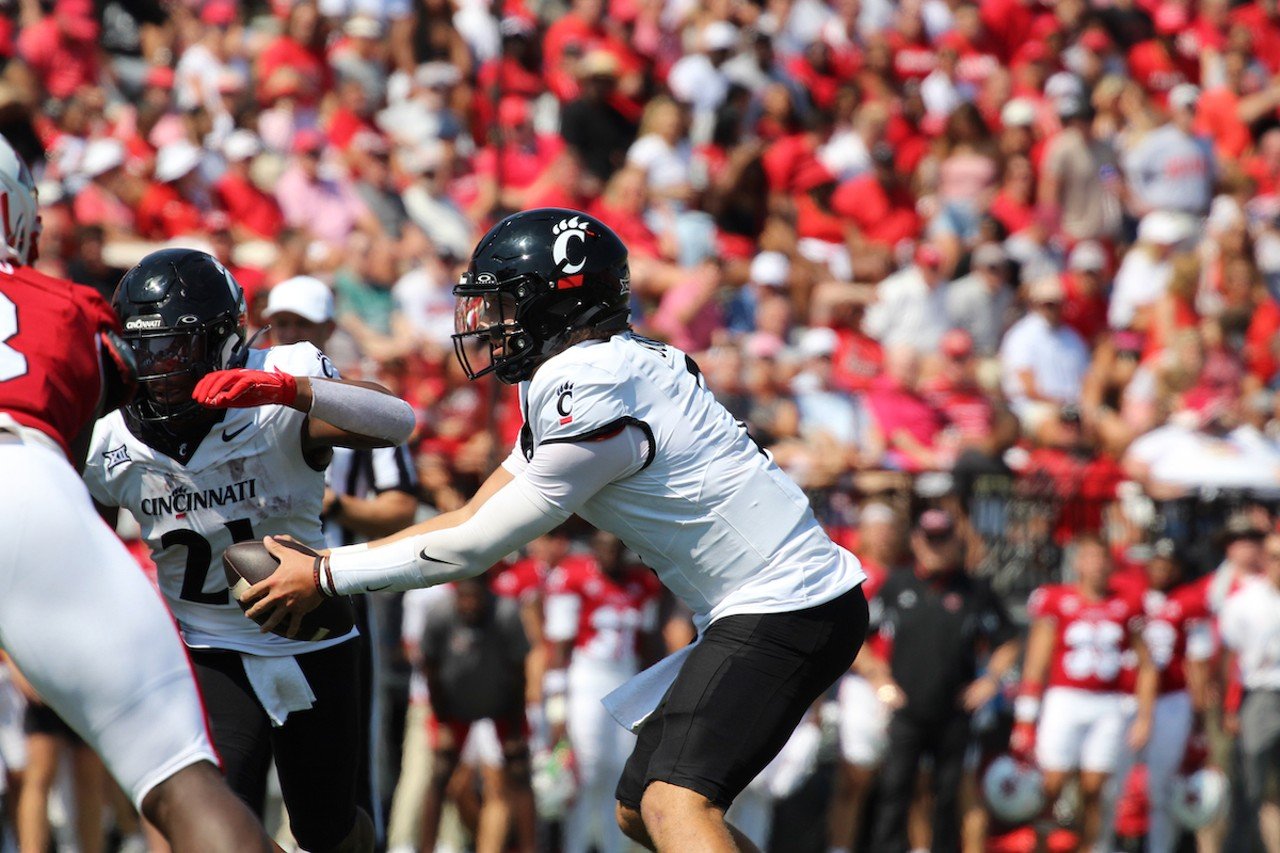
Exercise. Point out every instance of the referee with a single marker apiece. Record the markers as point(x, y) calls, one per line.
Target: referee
point(938, 622)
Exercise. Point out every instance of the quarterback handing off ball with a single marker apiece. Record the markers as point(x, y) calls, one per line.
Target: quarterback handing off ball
point(246, 563)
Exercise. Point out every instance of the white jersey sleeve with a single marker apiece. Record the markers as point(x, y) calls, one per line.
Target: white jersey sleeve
point(301, 359)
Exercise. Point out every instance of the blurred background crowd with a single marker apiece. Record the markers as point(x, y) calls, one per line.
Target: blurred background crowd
point(1014, 259)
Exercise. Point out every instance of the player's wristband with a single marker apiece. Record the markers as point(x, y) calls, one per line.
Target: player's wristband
point(557, 709)
point(555, 682)
point(323, 576)
point(1026, 707)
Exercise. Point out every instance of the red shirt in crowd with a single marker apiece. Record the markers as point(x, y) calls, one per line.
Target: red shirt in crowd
point(163, 214)
point(61, 48)
point(284, 52)
point(857, 361)
point(249, 206)
point(521, 164)
point(1260, 341)
point(1157, 71)
point(963, 406)
point(883, 216)
point(1084, 312)
point(896, 408)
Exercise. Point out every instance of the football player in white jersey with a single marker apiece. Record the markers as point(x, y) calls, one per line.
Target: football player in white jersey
point(622, 431)
point(225, 443)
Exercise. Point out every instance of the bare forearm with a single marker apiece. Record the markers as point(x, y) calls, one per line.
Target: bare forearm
point(381, 515)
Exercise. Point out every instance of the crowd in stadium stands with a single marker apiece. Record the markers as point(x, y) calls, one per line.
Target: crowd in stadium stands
point(1012, 261)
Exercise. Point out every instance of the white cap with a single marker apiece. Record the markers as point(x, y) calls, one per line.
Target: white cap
point(1047, 289)
point(241, 145)
point(817, 342)
point(101, 156)
point(1164, 228)
point(1064, 84)
point(719, 35)
point(1184, 96)
point(1087, 255)
point(877, 513)
point(1018, 113)
point(309, 298)
point(426, 156)
point(770, 269)
point(363, 26)
point(175, 160)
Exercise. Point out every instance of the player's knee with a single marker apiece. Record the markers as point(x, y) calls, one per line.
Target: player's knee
point(1091, 785)
point(631, 824)
point(515, 766)
point(664, 803)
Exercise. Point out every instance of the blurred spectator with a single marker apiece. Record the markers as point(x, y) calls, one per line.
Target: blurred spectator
point(89, 267)
point(910, 306)
point(592, 124)
point(324, 205)
point(253, 213)
point(1170, 169)
point(1042, 361)
point(1078, 179)
point(910, 426)
point(981, 302)
point(1144, 272)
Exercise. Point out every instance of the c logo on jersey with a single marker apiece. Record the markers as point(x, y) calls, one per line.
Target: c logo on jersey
point(116, 456)
point(564, 403)
point(570, 249)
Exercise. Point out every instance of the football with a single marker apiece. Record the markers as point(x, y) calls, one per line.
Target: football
point(246, 563)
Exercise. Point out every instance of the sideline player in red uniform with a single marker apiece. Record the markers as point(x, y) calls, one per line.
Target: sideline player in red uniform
point(1079, 637)
point(598, 610)
point(76, 614)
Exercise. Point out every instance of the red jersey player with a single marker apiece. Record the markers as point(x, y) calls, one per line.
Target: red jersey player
point(598, 612)
point(1079, 637)
point(1179, 637)
point(78, 617)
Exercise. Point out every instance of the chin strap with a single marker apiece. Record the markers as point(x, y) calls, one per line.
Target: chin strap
point(240, 354)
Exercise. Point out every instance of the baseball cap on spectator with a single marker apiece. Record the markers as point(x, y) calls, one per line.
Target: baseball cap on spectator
point(762, 345)
point(989, 255)
point(936, 523)
point(158, 77)
point(1170, 19)
point(770, 269)
point(1018, 112)
point(1240, 526)
point(1087, 256)
point(1096, 40)
point(219, 13)
point(308, 140)
point(1164, 228)
point(437, 75)
point(101, 156)
point(175, 160)
point(517, 26)
point(1070, 106)
point(817, 342)
point(718, 36)
point(309, 298)
point(362, 27)
point(1046, 290)
point(1184, 96)
point(76, 19)
point(956, 343)
point(877, 513)
point(1063, 84)
point(513, 111)
point(423, 159)
point(241, 145)
point(927, 255)
point(598, 63)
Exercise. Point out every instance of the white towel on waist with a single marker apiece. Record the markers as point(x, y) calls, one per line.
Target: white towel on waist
point(633, 702)
point(279, 684)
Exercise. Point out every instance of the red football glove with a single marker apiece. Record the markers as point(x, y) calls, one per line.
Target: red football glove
point(244, 389)
point(1022, 741)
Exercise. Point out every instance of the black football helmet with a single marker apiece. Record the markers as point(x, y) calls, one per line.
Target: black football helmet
point(183, 317)
point(535, 279)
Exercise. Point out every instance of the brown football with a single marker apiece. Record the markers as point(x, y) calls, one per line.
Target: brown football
point(246, 563)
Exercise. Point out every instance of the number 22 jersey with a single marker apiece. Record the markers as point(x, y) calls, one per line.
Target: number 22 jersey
point(247, 479)
point(1092, 636)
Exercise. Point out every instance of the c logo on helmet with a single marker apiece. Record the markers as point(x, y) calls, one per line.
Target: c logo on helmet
point(566, 231)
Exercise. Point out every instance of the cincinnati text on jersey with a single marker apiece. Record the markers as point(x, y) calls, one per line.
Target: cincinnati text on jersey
point(182, 501)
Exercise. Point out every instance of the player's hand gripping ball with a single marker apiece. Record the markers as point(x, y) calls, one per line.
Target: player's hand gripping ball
point(249, 563)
